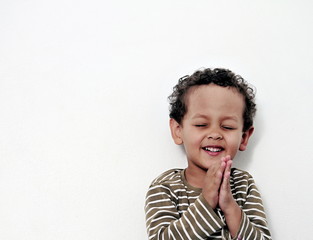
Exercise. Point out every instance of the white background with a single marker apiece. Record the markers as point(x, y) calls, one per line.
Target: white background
point(84, 111)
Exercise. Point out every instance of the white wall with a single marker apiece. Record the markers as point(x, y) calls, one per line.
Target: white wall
point(84, 112)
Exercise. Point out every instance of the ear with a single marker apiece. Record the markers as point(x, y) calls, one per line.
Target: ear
point(245, 138)
point(176, 131)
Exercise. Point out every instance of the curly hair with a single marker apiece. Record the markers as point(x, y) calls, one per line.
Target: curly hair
point(219, 76)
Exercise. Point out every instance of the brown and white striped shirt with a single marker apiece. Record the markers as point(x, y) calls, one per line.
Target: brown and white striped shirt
point(176, 210)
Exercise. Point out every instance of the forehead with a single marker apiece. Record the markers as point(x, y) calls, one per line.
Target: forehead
point(208, 99)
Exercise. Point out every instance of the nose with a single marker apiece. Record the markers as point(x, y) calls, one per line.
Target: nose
point(215, 135)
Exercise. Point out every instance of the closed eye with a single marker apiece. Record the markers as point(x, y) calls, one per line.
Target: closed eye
point(200, 125)
point(228, 127)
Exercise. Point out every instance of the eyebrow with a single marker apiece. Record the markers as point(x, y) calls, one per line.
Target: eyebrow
point(230, 117)
point(199, 116)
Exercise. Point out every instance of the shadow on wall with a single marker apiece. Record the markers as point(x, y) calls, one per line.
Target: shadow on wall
point(245, 158)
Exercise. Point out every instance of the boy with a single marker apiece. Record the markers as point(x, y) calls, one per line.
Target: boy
point(211, 115)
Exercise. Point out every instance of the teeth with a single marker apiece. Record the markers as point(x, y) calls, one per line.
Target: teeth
point(212, 149)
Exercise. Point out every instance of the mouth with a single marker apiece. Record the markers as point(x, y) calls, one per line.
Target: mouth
point(213, 149)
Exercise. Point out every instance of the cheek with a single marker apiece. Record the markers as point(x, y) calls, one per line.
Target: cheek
point(235, 141)
point(193, 137)
point(195, 141)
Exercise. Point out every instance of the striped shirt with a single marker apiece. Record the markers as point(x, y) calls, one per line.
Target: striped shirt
point(176, 210)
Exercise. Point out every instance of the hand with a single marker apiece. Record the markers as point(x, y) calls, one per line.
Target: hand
point(226, 201)
point(212, 183)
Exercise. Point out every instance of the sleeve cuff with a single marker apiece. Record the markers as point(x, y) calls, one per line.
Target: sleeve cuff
point(206, 216)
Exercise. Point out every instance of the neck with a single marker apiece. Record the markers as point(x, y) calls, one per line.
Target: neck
point(195, 176)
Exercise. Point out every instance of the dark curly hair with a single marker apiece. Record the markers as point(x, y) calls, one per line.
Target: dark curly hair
point(219, 76)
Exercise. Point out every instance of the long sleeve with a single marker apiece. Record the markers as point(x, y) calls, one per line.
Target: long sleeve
point(176, 210)
point(165, 222)
point(253, 222)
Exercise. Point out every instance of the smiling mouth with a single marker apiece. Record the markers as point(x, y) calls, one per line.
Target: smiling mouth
point(213, 149)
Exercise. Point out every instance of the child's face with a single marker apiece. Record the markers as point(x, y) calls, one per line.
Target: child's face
point(212, 126)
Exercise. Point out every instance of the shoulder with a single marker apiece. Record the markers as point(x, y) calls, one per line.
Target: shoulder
point(168, 177)
point(243, 186)
point(237, 174)
point(168, 183)
point(241, 179)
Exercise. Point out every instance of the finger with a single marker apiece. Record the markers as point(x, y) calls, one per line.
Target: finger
point(212, 183)
point(228, 168)
point(215, 175)
point(225, 164)
point(217, 169)
point(226, 158)
point(226, 177)
point(221, 170)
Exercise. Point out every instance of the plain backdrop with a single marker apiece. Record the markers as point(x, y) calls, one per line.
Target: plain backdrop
point(84, 111)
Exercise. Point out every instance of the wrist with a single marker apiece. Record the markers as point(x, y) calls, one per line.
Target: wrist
point(212, 201)
point(232, 209)
point(233, 215)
